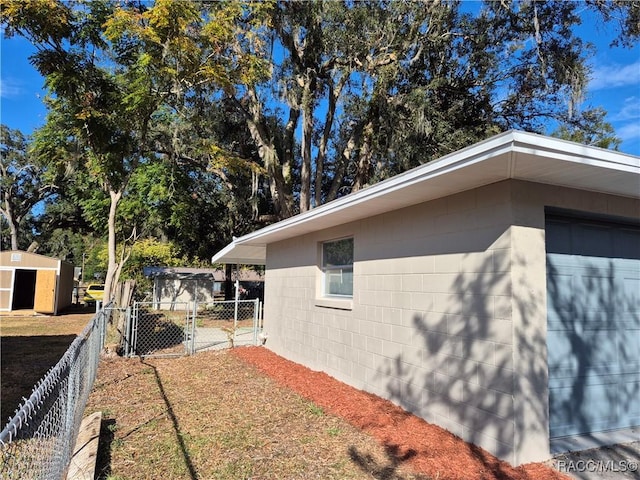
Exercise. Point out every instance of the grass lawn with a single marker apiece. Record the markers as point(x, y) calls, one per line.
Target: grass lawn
point(249, 414)
point(29, 347)
point(212, 416)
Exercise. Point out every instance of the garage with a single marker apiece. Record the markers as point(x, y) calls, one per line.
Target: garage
point(593, 338)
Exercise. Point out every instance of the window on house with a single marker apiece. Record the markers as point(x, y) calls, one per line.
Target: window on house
point(337, 267)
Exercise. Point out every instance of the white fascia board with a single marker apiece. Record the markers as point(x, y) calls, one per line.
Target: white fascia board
point(454, 161)
point(563, 150)
point(241, 254)
point(506, 147)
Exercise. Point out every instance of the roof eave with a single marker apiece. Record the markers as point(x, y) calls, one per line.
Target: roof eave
point(510, 155)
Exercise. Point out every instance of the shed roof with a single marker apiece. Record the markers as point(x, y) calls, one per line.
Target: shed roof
point(510, 155)
point(20, 258)
point(181, 271)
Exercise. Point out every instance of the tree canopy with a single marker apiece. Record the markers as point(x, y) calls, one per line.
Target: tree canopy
point(191, 122)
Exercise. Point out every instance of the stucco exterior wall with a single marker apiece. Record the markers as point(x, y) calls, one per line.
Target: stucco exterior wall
point(448, 317)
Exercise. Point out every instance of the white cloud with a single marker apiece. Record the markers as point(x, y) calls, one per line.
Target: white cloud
point(630, 111)
point(615, 75)
point(630, 131)
point(9, 88)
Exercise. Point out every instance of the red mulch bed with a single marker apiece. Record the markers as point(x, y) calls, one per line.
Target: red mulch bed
point(427, 448)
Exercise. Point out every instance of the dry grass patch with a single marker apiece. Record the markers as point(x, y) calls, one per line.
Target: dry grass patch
point(29, 347)
point(211, 416)
point(33, 326)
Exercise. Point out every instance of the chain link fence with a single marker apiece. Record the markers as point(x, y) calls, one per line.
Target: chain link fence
point(38, 441)
point(175, 329)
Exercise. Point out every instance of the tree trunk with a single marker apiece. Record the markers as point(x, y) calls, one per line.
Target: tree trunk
point(363, 166)
point(307, 138)
point(269, 155)
point(13, 228)
point(345, 158)
point(228, 281)
point(334, 94)
point(7, 212)
point(112, 267)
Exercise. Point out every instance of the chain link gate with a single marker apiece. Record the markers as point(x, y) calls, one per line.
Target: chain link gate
point(159, 330)
point(175, 329)
point(225, 324)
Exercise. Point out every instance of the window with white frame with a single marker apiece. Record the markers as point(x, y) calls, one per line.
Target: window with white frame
point(337, 268)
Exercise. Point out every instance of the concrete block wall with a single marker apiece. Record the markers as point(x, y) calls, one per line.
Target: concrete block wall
point(529, 203)
point(430, 323)
point(448, 317)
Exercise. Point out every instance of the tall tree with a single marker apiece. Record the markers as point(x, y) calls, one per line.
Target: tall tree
point(110, 68)
point(25, 180)
point(365, 90)
point(267, 109)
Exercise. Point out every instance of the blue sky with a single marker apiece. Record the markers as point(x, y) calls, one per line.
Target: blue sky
point(615, 85)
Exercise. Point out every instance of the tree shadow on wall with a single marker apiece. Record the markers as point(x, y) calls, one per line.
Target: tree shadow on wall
point(593, 362)
point(460, 372)
point(191, 288)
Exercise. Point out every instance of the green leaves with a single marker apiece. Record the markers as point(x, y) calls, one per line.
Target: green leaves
point(25, 180)
point(231, 111)
point(42, 21)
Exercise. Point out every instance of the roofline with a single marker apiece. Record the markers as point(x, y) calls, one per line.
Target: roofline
point(511, 141)
point(36, 255)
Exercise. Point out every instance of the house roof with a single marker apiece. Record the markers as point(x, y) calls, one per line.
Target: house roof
point(219, 275)
point(510, 155)
point(178, 271)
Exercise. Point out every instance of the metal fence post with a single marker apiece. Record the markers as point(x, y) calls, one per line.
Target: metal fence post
point(72, 394)
point(235, 310)
point(102, 327)
point(193, 328)
point(134, 328)
point(256, 310)
point(127, 333)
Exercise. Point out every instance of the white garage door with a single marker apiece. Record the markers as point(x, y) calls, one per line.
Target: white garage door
point(593, 339)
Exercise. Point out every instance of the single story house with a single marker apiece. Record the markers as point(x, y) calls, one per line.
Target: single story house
point(183, 285)
point(494, 292)
point(29, 281)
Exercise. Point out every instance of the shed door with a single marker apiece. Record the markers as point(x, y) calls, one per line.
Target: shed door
point(593, 338)
point(45, 297)
point(6, 288)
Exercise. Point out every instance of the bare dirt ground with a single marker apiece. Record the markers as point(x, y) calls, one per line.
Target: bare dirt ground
point(248, 413)
point(29, 346)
